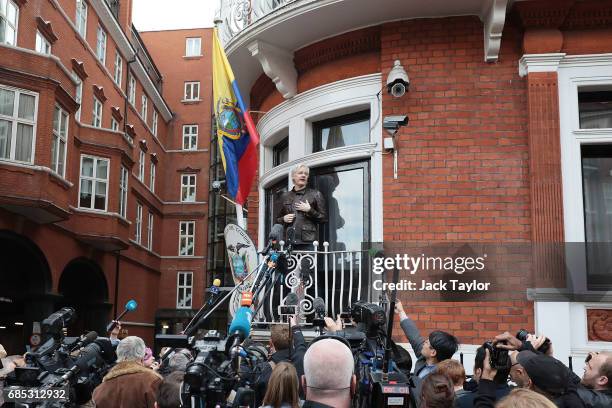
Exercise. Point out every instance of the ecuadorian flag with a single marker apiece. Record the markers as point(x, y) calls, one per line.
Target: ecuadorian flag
point(236, 132)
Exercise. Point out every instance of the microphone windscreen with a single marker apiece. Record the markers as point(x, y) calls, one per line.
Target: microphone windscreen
point(217, 282)
point(87, 356)
point(131, 305)
point(91, 336)
point(242, 322)
point(291, 299)
point(319, 305)
point(276, 234)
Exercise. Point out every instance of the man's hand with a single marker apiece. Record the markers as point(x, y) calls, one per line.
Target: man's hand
point(116, 330)
point(292, 321)
point(399, 309)
point(303, 206)
point(288, 219)
point(488, 373)
point(507, 341)
point(331, 325)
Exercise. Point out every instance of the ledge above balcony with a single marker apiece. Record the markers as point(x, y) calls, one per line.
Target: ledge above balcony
point(285, 26)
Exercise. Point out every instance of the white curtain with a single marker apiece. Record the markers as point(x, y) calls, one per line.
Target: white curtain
point(23, 142)
point(6, 130)
point(7, 98)
point(26, 107)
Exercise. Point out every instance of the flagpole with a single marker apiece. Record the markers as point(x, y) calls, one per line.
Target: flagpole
point(240, 217)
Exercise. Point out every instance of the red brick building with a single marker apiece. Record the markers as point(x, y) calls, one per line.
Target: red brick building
point(103, 169)
point(508, 140)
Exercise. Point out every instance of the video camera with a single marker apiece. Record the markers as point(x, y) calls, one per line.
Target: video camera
point(78, 363)
point(219, 375)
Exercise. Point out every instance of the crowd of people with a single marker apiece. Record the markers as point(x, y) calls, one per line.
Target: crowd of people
point(322, 374)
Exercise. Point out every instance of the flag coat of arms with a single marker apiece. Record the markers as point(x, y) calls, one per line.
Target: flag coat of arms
point(236, 133)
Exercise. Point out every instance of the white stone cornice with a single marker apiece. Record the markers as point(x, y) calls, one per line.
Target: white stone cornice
point(587, 60)
point(278, 65)
point(540, 63)
point(494, 18)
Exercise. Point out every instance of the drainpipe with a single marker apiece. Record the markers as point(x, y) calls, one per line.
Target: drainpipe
point(117, 255)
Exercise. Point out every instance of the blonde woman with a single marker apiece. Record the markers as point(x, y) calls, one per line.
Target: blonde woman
point(525, 398)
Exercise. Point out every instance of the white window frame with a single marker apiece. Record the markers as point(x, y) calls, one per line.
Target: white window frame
point(191, 85)
point(142, 157)
point(118, 73)
point(101, 38)
point(196, 43)
point(186, 186)
point(96, 118)
point(114, 125)
point(144, 107)
point(150, 232)
point(152, 176)
point(14, 25)
point(131, 90)
point(123, 191)
point(182, 289)
point(15, 120)
point(154, 123)
point(81, 18)
point(191, 137)
point(187, 236)
point(573, 73)
point(138, 235)
point(58, 138)
point(78, 95)
point(43, 45)
point(94, 179)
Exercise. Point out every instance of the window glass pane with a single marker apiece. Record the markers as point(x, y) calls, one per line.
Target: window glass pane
point(23, 143)
point(54, 149)
point(595, 107)
point(6, 130)
point(87, 167)
point(101, 170)
point(7, 99)
point(56, 120)
point(11, 13)
point(85, 199)
point(342, 131)
point(100, 203)
point(60, 158)
point(64, 124)
point(26, 106)
point(3, 26)
point(597, 194)
point(188, 279)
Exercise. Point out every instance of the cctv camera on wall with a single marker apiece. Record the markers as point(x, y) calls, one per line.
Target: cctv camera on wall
point(397, 80)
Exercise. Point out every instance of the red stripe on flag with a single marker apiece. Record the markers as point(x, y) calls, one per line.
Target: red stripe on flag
point(247, 168)
point(248, 121)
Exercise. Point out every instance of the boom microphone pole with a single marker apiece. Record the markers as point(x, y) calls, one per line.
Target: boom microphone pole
point(130, 306)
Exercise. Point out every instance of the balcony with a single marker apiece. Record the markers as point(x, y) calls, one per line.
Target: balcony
point(272, 30)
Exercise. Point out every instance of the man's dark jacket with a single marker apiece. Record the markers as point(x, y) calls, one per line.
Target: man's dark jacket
point(595, 399)
point(305, 223)
point(294, 356)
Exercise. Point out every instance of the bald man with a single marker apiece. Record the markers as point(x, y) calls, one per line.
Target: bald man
point(326, 387)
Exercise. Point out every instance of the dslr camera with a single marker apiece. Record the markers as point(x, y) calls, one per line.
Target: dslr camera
point(498, 358)
point(544, 348)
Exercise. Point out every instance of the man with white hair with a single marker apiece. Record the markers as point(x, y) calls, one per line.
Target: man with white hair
point(129, 384)
point(302, 208)
point(326, 387)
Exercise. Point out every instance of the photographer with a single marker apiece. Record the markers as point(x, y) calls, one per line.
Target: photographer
point(439, 346)
point(596, 384)
point(129, 383)
point(500, 380)
point(286, 345)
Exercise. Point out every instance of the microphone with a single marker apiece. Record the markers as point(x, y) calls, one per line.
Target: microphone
point(292, 299)
point(85, 340)
point(130, 306)
point(276, 234)
point(239, 330)
point(214, 291)
point(319, 305)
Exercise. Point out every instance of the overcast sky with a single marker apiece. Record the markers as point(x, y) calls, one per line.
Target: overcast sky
point(151, 15)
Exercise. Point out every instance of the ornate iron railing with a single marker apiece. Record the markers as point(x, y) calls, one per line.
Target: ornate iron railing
point(235, 15)
point(338, 277)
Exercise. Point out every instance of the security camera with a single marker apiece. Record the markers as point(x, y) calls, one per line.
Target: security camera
point(393, 123)
point(397, 80)
point(217, 185)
